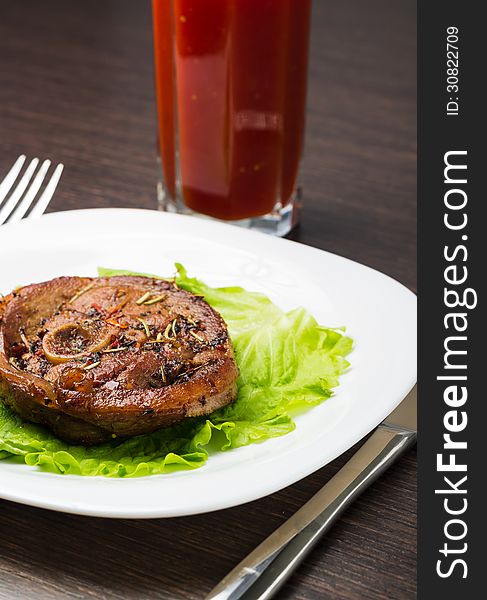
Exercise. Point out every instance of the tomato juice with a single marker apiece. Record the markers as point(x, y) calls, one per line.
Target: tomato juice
point(231, 90)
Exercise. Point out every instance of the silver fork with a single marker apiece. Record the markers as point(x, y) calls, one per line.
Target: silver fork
point(20, 197)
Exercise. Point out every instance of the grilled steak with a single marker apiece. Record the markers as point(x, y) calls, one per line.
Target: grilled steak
point(97, 358)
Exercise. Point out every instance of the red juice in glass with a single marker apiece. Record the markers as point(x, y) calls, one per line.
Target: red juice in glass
point(231, 90)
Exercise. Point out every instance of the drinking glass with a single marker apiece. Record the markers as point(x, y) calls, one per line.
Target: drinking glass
point(231, 80)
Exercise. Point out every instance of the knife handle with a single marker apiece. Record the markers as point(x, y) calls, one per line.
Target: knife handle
point(263, 572)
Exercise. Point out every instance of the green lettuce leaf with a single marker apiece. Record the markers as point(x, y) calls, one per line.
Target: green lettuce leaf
point(288, 363)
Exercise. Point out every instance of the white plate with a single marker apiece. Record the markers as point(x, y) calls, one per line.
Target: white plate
point(380, 314)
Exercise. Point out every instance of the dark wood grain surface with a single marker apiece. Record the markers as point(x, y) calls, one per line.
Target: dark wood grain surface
point(76, 85)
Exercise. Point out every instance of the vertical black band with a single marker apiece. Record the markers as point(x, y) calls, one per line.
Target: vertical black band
point(452, 273)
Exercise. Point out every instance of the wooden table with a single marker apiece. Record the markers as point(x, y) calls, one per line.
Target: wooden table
point(76, 85)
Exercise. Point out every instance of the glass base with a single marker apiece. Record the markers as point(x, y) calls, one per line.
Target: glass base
point(279, 222)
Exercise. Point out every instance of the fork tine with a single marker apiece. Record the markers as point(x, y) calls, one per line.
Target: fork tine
point(29, 196)
point(10, 177)
point(17, 193)
point(44, 200)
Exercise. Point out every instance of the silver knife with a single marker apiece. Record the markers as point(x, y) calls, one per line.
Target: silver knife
point(262, 573)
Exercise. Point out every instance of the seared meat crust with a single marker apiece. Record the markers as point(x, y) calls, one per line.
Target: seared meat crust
point(97, 358)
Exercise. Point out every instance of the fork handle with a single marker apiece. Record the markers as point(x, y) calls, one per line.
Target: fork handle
point(263, 572)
